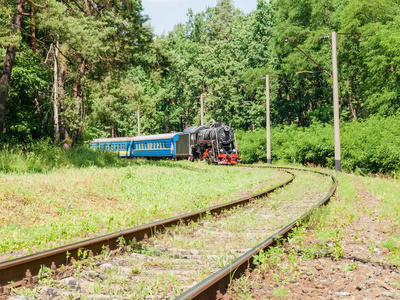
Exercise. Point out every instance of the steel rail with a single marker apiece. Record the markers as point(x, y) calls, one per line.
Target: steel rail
point(219, 281)
point(14, 270)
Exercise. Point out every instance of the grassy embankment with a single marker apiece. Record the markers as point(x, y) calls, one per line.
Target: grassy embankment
point(55, 195)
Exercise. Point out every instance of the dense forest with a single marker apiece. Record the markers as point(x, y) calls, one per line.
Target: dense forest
point(77, 69)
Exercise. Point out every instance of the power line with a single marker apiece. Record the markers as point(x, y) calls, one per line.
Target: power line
point(288, 40)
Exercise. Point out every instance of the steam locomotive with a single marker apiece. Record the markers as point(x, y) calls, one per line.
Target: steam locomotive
point(215, 144)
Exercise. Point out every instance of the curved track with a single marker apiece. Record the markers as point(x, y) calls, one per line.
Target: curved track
point(20, 271)
point(218, 282)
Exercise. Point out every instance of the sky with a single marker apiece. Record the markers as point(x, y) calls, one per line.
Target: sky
point(164, 14)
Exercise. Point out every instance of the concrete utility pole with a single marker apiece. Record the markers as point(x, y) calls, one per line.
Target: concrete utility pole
point(138, 122)
point(202, 109)
point(338, 162)
point(269, 160)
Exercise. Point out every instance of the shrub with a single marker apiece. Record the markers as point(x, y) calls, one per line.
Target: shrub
point(373, 145)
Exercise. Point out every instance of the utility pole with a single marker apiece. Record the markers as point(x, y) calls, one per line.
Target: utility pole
point(338, 162)
point(268, 120)
point(334, 75)
point(138, 121)
point(202, 109)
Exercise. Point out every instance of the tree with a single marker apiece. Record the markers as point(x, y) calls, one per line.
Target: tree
point(9, 60)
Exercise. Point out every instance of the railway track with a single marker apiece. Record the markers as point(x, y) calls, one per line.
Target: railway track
point(149, 246)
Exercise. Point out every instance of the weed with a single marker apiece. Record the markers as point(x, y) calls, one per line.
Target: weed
point(276, 277)
point(28, 293)
point(82, 253)
point(261, 260)
point(337, 250)
point(281, 292)
point(105, 252)
point(350, 267)
point(371, 247)
point(44, 275)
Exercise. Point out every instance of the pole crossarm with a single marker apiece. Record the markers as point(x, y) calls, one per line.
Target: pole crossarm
point(287, 39)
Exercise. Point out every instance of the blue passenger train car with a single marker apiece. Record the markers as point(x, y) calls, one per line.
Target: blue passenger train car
point(121, 145)
point(160, 145)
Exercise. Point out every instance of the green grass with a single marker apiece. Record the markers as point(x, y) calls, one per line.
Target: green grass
point(44, 210)
point(42, 157)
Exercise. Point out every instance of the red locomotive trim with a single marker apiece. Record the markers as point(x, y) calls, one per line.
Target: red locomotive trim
point(223, 159)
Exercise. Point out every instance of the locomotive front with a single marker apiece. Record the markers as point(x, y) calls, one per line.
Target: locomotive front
point(216, 144)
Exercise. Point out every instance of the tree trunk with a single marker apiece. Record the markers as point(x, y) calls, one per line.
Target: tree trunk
point(352, 109)
point(61, 92)
point(8, 64)
point(33, 29)
point(78, 102)
point(55, 100)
